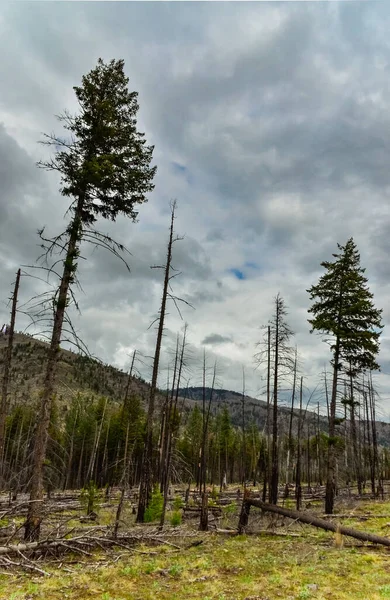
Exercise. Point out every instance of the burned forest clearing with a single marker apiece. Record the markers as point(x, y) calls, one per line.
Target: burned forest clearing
point(201, 417)
point(276, 557)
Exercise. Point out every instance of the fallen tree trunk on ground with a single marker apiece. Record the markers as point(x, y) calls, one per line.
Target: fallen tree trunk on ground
point(309, 519)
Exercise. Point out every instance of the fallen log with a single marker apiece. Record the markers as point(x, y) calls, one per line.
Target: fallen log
point(309, 519)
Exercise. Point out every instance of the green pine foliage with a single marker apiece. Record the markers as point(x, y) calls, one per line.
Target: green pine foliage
point(105, 162)
point(343, 310)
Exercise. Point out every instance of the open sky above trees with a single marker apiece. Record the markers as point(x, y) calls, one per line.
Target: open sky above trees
point(271, 128)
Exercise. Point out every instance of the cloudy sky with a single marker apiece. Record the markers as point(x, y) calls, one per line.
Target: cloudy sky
point(271, 127)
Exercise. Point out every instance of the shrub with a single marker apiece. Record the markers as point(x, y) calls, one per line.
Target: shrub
point(177, 503)
point(176, 518)
point(89, 497)
point(154, 510)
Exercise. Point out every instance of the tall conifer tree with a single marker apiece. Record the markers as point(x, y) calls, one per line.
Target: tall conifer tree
point(105, 169)
point(344, 311)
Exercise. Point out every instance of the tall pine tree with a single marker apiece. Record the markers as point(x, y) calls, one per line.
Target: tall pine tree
point(343, 310)
point(104, 164)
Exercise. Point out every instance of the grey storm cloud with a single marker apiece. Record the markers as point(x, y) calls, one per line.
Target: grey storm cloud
point(271, 128)
point(214, 339)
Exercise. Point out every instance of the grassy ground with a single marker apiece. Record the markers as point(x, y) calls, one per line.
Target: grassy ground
point(251, 567)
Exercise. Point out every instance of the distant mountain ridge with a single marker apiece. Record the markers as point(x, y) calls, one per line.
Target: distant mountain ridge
point(80, 374)
point(255, 412)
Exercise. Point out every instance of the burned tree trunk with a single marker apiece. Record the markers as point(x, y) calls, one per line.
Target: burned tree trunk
point(33, 522)
point(331, 463)
point(298, 474)
point(147, 470)
point(6, 376)
point(316, 522)
point(204, 512)
point(170, 438)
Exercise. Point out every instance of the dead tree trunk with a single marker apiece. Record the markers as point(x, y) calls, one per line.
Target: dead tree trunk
point(298, 474)
point(273, 495)
point(170, 439)
point(6, 376)
point(317, 522)
point(331, 465)
point(147, 470)
point(267, 471)
point(204, 513)
point(95, 449)
point(290, 437)
point(243, 448)
point(376, 473)
point(123, 486)
point(70, 457)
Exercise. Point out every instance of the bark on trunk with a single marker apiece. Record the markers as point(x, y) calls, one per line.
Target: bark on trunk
point(331, 467)
point(318, 522)
point(6, 376)
point(275, 461)
point(34, 516)
point(204, 513)
point(147, 470)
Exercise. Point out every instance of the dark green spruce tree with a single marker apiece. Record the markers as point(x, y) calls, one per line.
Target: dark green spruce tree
point(105, 168)
point(343, 310)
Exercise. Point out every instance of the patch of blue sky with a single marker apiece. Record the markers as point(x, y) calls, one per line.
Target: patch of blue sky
point(238, 274)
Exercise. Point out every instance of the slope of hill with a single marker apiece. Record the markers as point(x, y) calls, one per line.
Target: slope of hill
point(76, 373)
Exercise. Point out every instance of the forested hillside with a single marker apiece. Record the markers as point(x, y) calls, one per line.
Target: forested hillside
point(77, 373)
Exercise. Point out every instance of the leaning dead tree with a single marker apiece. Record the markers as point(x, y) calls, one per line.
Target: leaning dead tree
point(6, 375)
point(307, 518)
point(105, 169)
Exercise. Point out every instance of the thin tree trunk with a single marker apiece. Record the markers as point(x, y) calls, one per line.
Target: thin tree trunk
point(243, 449)
point(290, 438)
point(319, 464)
point(129, 378)
point(79, 470)
point(275, 462)
point(70, 459)
point(6, 376)
point(147, 470)
point(331, 466)
point(170, 440)
point(96, 445)
point(298, 476)
point(374, 441)
point(204, 434)
point(356, 457)
point(267, 471)
point(204, 513)
point(123, 485)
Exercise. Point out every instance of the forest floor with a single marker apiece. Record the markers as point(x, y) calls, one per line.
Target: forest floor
point(278, 558)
